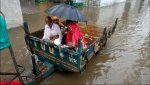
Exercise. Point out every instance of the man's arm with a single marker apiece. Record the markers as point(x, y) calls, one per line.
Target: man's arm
point(59, 32)
point(44, 36)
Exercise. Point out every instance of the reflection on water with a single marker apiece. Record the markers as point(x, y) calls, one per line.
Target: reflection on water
point(126, 58)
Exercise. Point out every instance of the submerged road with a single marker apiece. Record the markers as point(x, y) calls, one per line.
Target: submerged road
point(125, 60)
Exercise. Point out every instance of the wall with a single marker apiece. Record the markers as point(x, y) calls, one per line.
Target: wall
point(78, 0)
point(101, 3)
point(110, 2)
point(12, 12)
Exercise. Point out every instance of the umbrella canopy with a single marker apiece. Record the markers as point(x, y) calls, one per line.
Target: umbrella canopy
point(67, 12)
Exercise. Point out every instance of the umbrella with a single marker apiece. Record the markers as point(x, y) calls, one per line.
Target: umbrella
point(67, 12)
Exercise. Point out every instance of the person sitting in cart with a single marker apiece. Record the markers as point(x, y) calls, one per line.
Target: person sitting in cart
point(73, 34)
point(57, 21)
point(52, 32)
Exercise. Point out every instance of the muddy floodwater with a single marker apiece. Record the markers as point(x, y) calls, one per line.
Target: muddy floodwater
point(125, 59)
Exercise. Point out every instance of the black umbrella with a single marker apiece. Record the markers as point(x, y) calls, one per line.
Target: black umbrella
point(67, 12)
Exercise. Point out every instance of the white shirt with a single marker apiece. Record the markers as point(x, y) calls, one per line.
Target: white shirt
point(54, 30)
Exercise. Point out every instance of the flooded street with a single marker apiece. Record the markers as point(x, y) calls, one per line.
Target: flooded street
point(125, 60)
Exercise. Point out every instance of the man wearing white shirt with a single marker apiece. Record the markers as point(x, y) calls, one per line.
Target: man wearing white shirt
point(52, 31)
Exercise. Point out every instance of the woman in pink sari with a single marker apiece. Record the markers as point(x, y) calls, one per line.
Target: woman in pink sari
point(74, 35)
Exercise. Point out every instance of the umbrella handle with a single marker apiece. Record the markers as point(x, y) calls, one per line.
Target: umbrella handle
point(86, 24)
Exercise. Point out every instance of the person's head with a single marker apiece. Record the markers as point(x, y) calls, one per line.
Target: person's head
point(48, 21)
point(68, 22)
point(55, 19)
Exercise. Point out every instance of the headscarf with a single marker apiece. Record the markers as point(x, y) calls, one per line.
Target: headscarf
point(55, 18)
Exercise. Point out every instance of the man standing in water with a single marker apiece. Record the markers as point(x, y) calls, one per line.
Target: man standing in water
point(52, 31)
